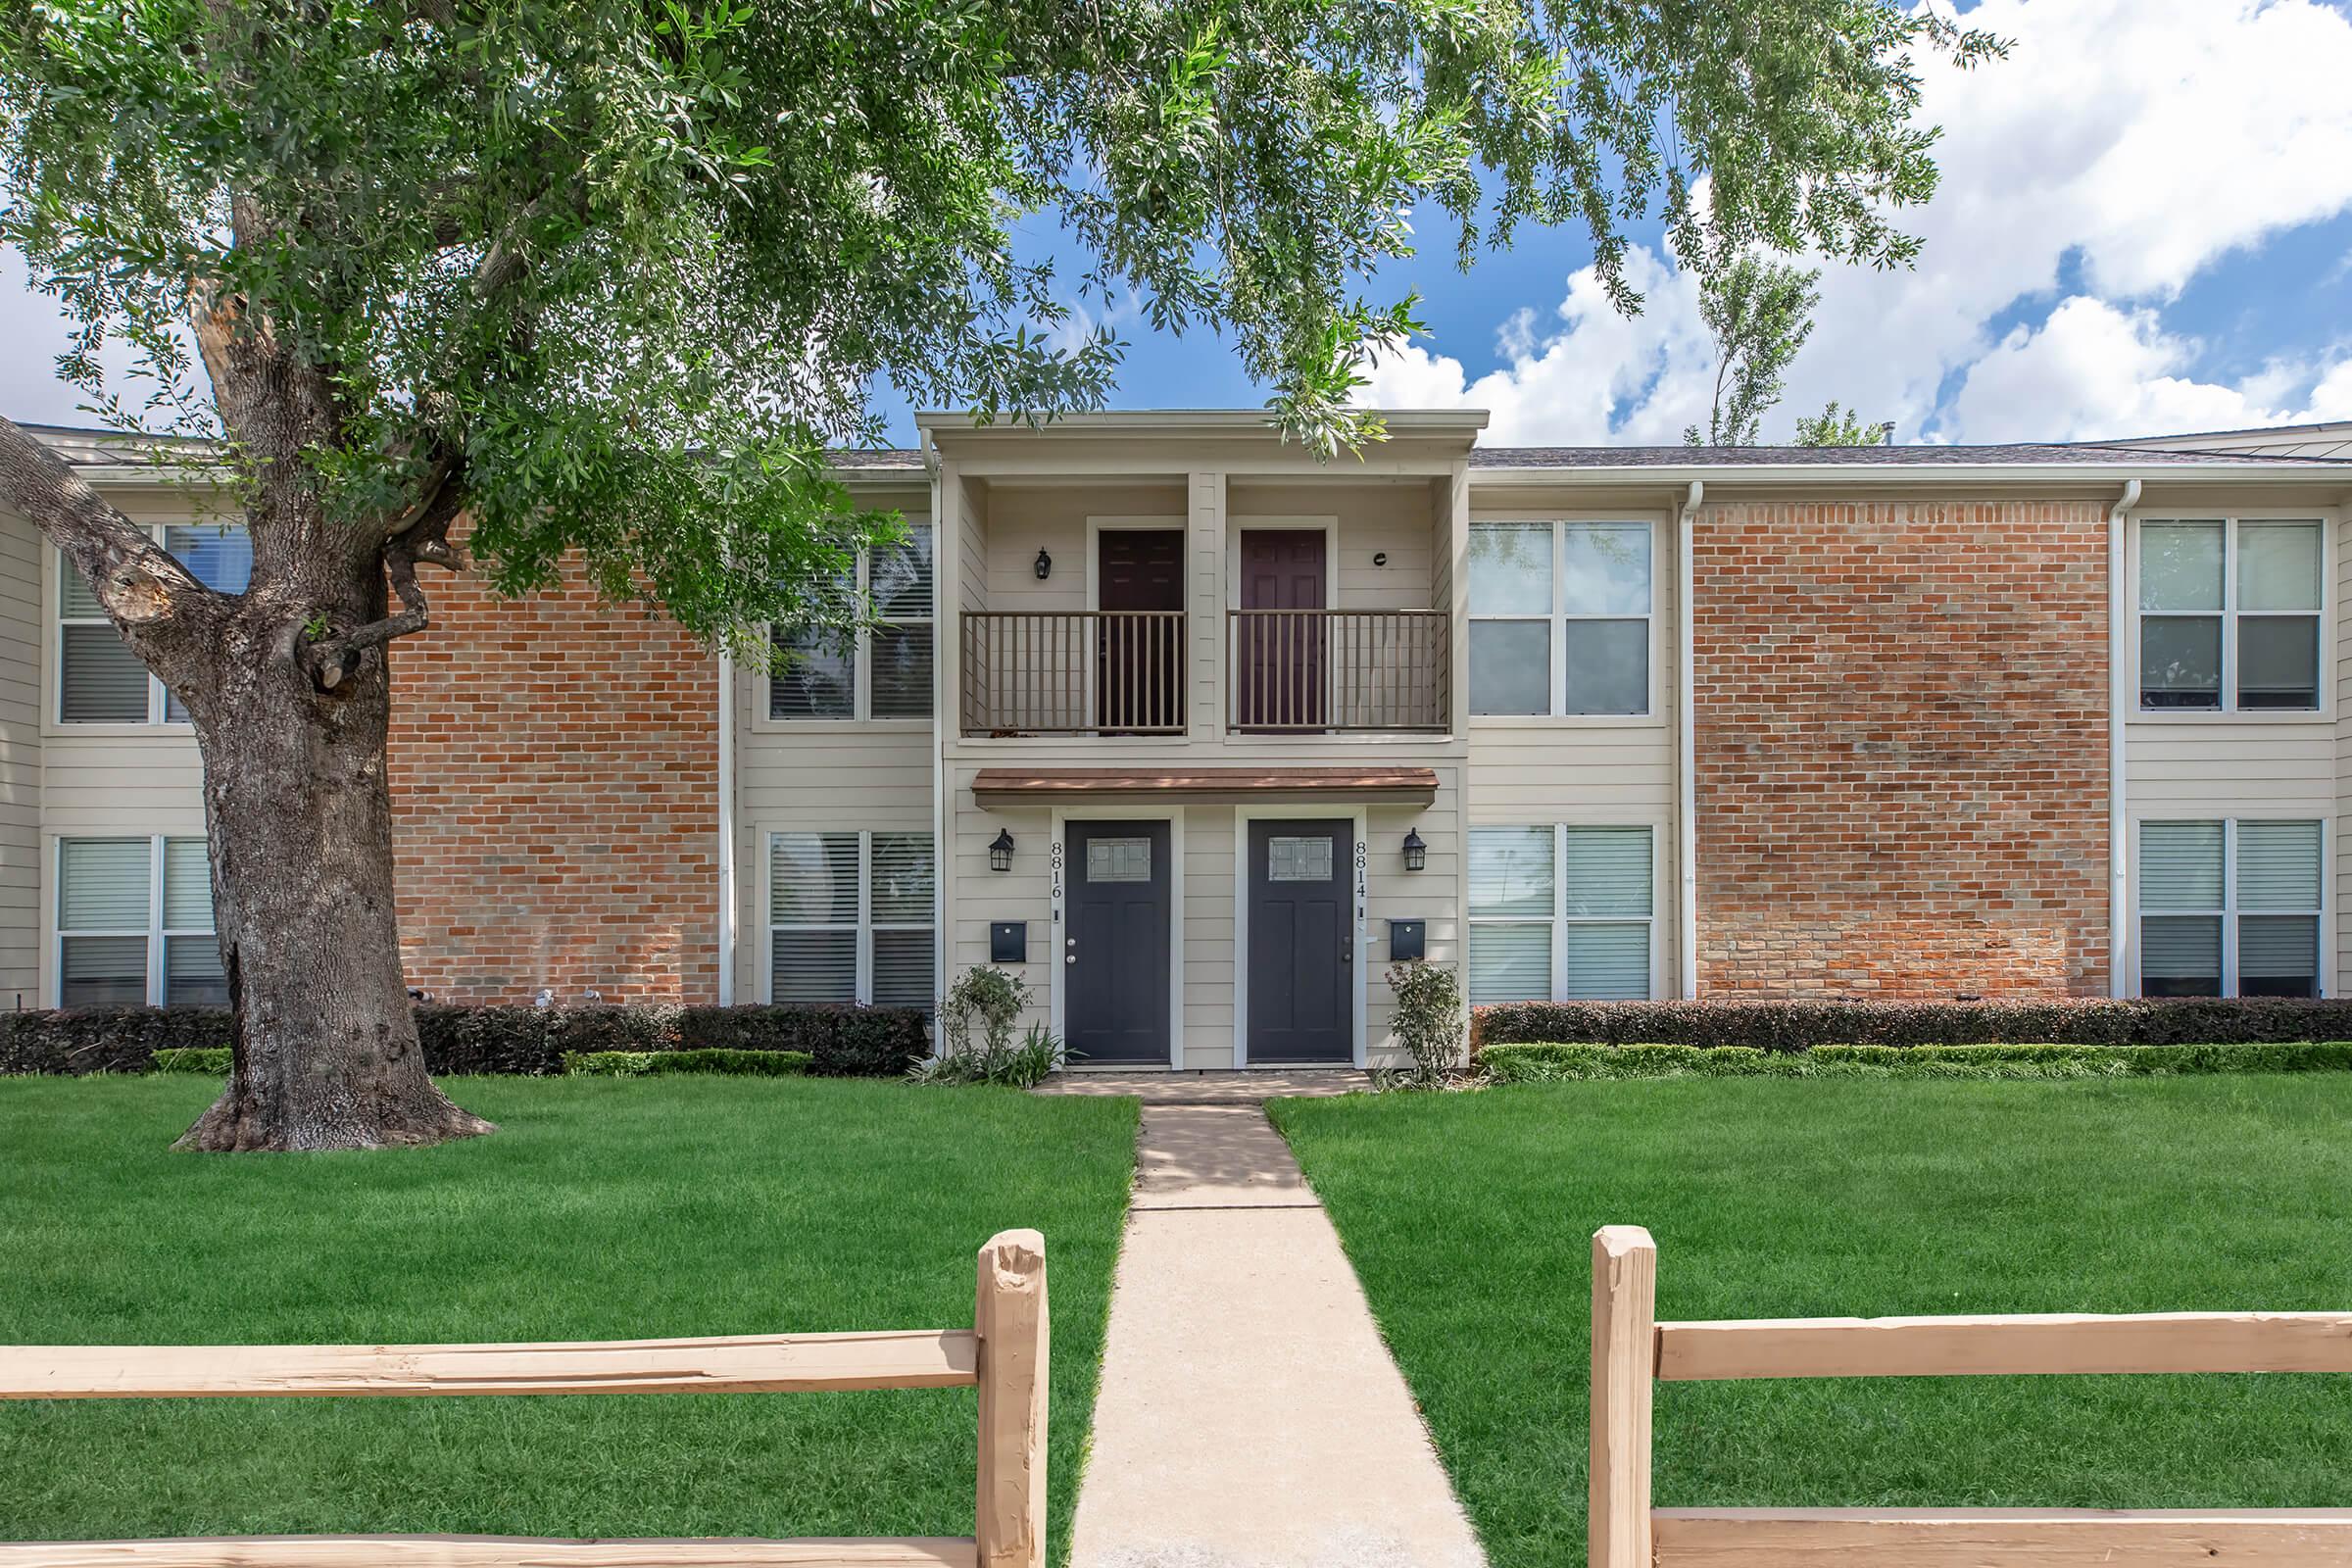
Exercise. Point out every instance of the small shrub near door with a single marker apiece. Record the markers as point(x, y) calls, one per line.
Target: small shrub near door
point(1428, 1022)
point(988, 1001)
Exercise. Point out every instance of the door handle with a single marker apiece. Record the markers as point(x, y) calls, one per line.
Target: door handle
point(1347, 950)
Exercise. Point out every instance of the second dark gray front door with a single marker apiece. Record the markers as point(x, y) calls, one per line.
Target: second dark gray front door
point(1114, 943)
point(1301, 942)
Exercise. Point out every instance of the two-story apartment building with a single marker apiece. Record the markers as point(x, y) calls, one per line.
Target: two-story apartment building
point(1196, 733)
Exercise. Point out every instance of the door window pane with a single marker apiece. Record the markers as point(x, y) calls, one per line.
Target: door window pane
point(2278, 565)
point(2181, 955)
point(2181, 661)
point(1604, 569)
point(2278, 955)
point(1511, 568)
point(1608, 667)
point(2278, 662)
point(1606, 960)
point(2180, 866)
point(1510, 961)
point(1510, 667)
point(1299, 860)
point(2180, 565)
point(101, 681)
point(1511, 872)
point(1119, 860)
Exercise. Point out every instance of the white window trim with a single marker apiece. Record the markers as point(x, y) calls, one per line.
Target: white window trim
point(861, 665)
point(2229, 615)
point(864, 926)
point(53, 716)
point(2230, 912)
point(1560, 919)
point(156, 934)
point(1652, 618)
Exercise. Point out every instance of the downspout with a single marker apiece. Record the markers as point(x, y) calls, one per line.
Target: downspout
point(1686, 767)
point(2119, 704)
point(942, 845)
point(726, 829)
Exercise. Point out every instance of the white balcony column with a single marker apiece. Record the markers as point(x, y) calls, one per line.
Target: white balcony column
point(1204, 536)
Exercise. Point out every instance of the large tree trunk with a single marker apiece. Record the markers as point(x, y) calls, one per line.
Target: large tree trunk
point(300, 818)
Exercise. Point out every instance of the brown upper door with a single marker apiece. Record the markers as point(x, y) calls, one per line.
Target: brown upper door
point(1279, 659)
point(1138, 658)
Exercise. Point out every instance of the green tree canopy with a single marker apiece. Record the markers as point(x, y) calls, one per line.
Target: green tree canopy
point(1839, 426)
point(1759, 310)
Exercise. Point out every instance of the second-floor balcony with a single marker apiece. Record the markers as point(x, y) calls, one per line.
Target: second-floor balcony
point(1124, 672)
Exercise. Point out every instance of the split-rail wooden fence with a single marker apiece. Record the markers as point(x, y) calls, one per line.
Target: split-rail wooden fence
point(1003, 1353)
point(1633, 1352)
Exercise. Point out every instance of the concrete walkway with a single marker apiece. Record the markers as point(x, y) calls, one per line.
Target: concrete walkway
point(1249, 1415)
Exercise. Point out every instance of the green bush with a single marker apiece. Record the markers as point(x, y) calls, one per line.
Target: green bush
point(1800, 1025)
point(841, 1042)
point(1575, 1062)
point(652, 1063)
point(210, 1059)
point(1024, 1067)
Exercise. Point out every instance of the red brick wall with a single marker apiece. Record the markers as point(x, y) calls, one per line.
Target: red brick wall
point(1901, 759)
point(555, 792)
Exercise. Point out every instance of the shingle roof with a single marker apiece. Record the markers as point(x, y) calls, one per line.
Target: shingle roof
point(84, 448)
point(1686, 457)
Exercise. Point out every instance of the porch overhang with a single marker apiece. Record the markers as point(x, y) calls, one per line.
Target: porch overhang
point(1205, 786)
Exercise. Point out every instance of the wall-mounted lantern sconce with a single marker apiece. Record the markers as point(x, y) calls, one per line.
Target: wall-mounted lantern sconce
point(999, 851)
point(1416, 853)
point(1045, 565)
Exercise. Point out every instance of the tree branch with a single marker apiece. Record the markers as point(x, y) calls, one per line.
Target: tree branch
point(144, 591)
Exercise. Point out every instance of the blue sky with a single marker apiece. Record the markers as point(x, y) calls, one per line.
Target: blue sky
point(2144, 225)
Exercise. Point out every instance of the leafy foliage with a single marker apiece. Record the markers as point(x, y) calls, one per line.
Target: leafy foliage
point(1576, 1064)
point(655, 1064)
point(1039, 1056)
point(617, 271)
point(1836, 427)
point(1800, 1025)
point(1429, 1022)
point(1759, 312)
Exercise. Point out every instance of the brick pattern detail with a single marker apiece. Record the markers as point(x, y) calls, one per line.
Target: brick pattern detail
point(1902, 758)
point(554, 795)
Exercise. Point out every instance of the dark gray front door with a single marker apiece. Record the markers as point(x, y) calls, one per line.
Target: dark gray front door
point(1114, 943)
point(1301, 942)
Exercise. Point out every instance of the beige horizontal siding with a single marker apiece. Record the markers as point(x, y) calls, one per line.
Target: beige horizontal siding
point(21, 626)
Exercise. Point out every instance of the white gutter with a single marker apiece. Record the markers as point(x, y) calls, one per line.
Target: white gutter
point(2119, 704)
point(1685, 764)
point(726, 830)
point(942, 843)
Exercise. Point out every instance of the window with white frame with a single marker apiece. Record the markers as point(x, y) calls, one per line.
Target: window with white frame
point(1560, 912)
point(134, 923)
point(2230, 907)
point(2229, 615)
point(881, 672)
point(99, 679)
point(1560, 618)
point(851, 917)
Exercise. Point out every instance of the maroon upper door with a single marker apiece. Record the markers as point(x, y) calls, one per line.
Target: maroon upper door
point(1279, 657)
point(1139, 658)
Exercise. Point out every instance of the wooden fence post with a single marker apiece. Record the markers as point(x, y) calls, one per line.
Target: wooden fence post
point(1625, 1316)
point(1011, 1321)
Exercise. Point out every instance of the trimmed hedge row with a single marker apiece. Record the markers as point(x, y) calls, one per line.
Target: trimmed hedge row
point(840, 1041)
point(1799, 1026)
point(211, 1060)
point(1581, 1062)
point(652, 1064)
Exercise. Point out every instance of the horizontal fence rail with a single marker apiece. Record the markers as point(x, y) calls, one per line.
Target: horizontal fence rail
point(1073, 671)
point(1004, 1353)
point(788, 1363)
point(1632, 1352)
point(1292, 670)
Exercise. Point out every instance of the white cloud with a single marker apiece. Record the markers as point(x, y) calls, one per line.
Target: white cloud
point(2148, 138)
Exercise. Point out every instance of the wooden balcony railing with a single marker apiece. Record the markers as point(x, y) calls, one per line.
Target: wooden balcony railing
point(1338, 670)
point(1073, 672)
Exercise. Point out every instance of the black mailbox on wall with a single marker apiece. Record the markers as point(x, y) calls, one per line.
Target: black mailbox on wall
point(1009, 942)
point(1405, 940)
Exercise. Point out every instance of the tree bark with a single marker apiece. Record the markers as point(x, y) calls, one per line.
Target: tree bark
point(299, 820)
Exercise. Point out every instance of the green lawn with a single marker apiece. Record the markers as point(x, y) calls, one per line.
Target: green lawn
point(605, 1210)
point(1469, 1219)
